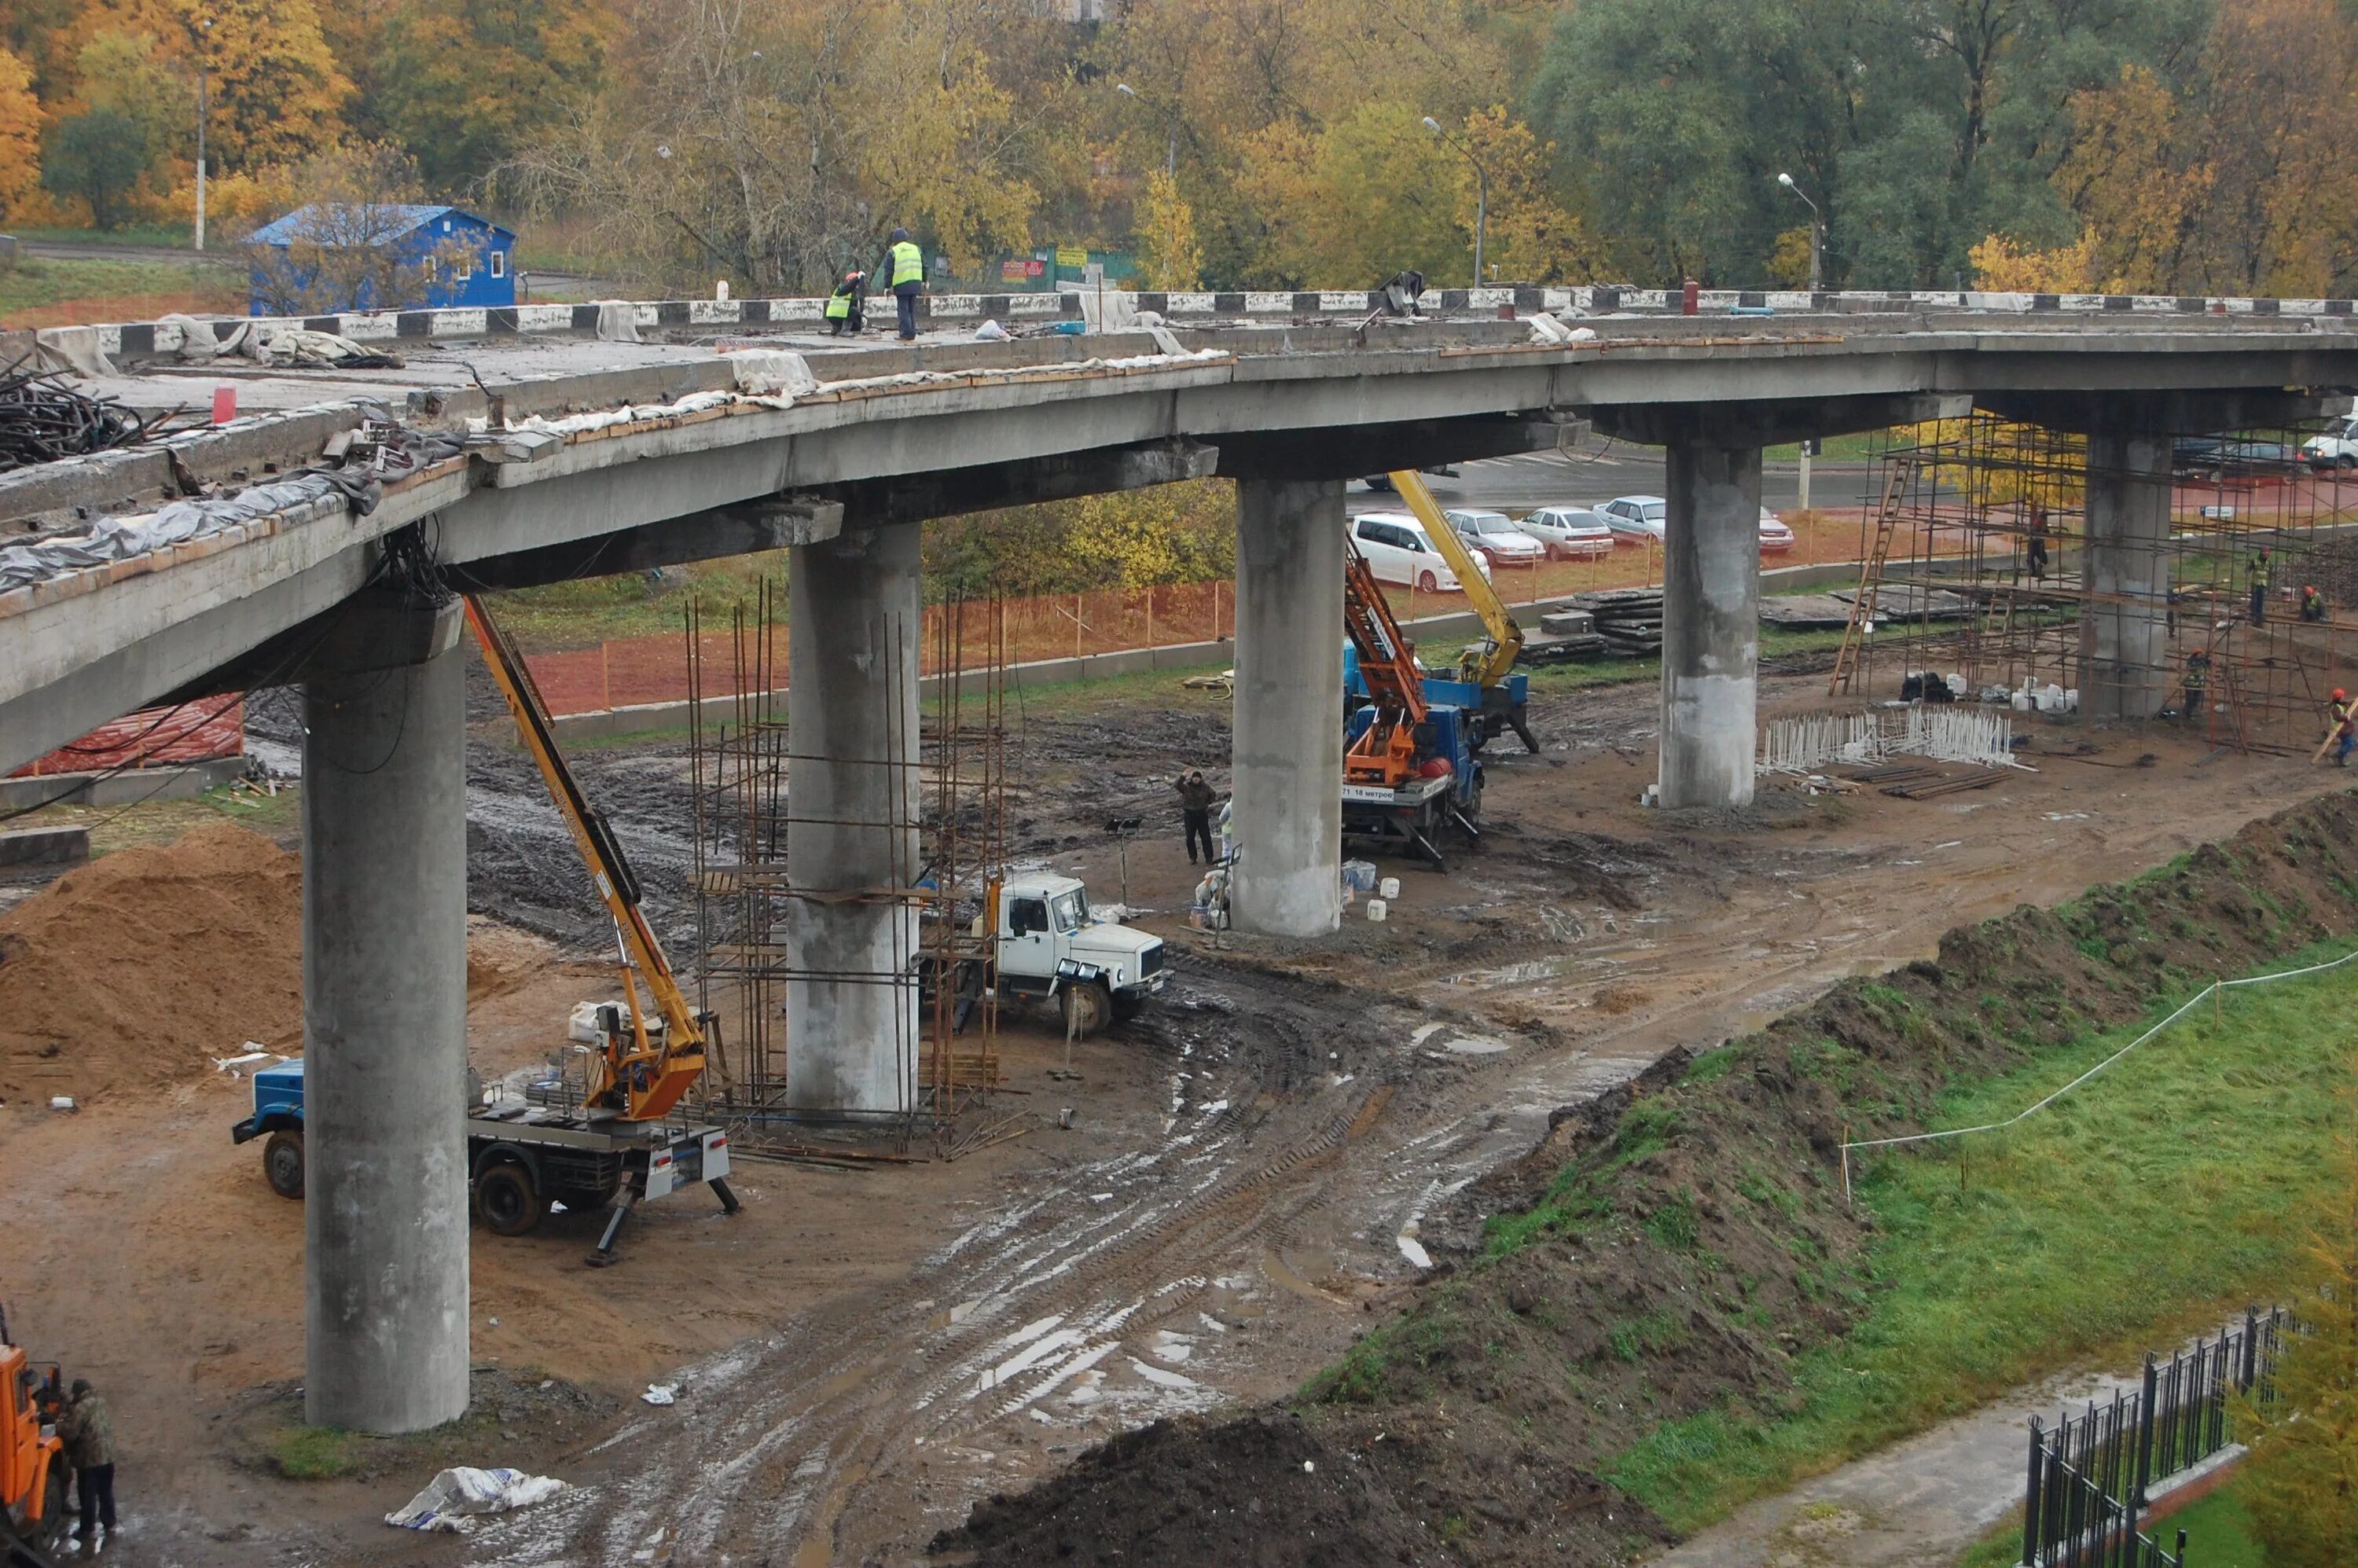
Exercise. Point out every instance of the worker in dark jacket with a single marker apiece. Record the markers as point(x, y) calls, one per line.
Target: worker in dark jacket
point(907, 270)
point(846, 307)
point(88, 1434)
point(1196, 799)
point(2260, 569)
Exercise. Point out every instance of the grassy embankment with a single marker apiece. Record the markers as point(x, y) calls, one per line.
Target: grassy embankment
point(47, 291)
point(2143, 1207)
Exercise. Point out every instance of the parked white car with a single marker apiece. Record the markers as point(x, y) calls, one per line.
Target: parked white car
point(1570, 533)
point(1775, 538)
point(1494, 538)
point(1397, 551)
point(1634, 519)
point(2334, 447)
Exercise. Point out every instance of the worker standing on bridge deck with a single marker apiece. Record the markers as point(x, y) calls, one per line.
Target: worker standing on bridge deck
point(1196, 798)
point(908, 276)
point(89, 1437)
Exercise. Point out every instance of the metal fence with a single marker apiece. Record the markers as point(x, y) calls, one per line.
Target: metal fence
point(2089, 1474)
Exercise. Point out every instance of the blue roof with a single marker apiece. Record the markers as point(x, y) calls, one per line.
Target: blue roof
point(405, 218)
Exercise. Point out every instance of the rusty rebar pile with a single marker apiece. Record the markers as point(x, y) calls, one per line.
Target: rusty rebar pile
point(43, 419)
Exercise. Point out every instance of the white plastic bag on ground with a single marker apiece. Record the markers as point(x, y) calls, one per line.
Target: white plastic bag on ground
point(990, 331)
point(451, 1499)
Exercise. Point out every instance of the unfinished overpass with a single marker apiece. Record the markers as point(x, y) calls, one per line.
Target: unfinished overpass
point(606, 457)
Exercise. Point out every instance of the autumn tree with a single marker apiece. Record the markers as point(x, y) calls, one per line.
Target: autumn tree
point(274, 90)
point(2003, 266)
point(20, 133)
point(1531, 237)
point(463, 84)
point(96, 157)
point(1169, 255)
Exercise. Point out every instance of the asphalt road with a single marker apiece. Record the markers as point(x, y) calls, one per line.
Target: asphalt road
point(1609, 468)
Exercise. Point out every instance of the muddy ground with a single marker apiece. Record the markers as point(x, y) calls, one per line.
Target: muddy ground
point(1251, 1173)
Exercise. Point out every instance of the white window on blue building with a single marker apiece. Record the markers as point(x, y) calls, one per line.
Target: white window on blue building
point(499, 264)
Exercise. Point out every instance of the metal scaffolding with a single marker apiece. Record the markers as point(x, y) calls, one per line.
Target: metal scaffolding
point(944, 826)
point(1976, 564)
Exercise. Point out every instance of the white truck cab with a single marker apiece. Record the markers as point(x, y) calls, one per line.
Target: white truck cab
point(1051, 946)
point(2335, 447)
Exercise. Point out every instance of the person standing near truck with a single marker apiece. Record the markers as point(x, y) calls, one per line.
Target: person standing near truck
point(89, 1436)
point(1196, 798)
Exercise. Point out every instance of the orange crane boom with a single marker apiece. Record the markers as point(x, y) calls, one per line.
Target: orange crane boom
point(1386, 753)
point(637, 1078)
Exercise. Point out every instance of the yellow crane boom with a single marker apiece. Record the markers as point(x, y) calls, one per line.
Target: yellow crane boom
point(1485, 662)
point(637, 1079)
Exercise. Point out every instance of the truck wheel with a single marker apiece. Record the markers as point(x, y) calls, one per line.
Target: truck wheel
point(1087, 1007)
point(1128, 1005)
point(507, 1200)
point(52, 1534)
point(282, 1162)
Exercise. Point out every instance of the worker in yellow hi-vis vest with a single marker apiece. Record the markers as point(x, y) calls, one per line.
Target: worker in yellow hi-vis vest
point(905, 266)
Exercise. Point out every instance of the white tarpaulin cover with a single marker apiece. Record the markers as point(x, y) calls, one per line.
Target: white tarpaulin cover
point(450, 1499)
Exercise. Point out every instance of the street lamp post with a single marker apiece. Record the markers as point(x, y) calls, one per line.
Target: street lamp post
point(203, 26)
point(1817, 234)
point(1481, 192)
point(1170, 136)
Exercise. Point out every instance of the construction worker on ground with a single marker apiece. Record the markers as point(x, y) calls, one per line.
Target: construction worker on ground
point(88, 1434)
point(2037, 533)
point(2312, 605)
point(1196, 798)
point(2198, 685)
point(2345, 727)
point(846, 307)
point(2260, 586)
point(907, 265)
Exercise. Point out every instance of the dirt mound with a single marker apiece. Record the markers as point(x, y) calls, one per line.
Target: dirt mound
point(138, 968)
point(142, 967)
point(1677, 1242)
point(1264, 1489)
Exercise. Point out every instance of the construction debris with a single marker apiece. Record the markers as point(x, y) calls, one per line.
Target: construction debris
point(451, 1499)
point(42, 418)
point(1628, 619)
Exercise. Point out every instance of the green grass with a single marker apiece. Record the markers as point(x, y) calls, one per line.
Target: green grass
point(313, 1453)
point(2154, 1197)
point(38, 281)
point(2218, 1535)
point(1854, 448)
point(162, 236)
point(2218, 1532)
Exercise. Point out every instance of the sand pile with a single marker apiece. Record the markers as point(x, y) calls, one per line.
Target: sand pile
point(138, 967)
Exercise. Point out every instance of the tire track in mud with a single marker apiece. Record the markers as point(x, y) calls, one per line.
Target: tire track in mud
point(780, 1436)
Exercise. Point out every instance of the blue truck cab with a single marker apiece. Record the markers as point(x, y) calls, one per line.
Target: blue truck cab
point(277, 1116)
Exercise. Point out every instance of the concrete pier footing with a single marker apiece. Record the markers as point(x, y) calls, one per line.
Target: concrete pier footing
point(2124, 631)
point(853, 641)
point(1288, 738)
point(1711, 624)
point(384, 1042)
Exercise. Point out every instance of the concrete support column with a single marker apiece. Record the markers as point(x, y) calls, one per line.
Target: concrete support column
point(853, 641)
point(1288, 739)
point(2124, 627)
point(1711, 624)
point(384, 1042)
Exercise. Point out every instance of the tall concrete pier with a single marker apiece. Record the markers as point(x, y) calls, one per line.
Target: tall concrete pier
point(384, 1038)
point(1288, 738)
point(1711, 624)
point(852, 802)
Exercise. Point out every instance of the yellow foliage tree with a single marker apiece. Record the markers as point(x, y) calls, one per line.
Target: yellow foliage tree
point(1789, 257)
point(275, 91)
point(2002, 266)
point(2300, 1483)
point(2128, 181)
point(1169, 254)
point(1354, 203)
point(20, 133)
point(1532, 239)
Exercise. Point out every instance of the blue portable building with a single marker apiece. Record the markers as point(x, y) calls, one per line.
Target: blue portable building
point(472, 259)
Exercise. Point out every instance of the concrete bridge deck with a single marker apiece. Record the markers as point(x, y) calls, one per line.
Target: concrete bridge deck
point(352, 607)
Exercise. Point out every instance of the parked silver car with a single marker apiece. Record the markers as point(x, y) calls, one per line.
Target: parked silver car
point(1569, 532)
point(1491, 536)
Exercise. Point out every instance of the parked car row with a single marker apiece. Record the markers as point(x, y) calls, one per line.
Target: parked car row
point(1398, 550)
